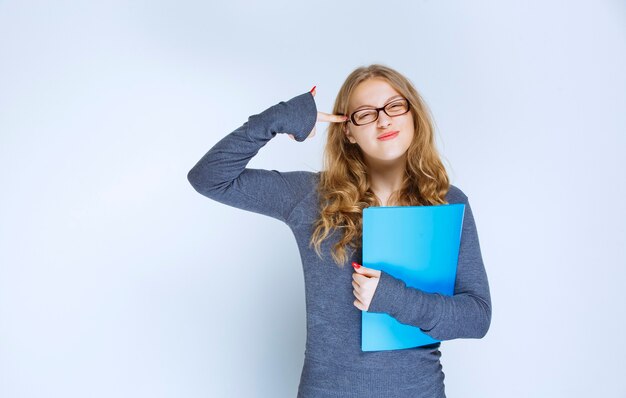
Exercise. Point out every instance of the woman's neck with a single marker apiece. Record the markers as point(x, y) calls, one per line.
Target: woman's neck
point(385, 179)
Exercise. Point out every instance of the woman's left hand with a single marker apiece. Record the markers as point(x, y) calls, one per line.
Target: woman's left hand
point(364, 281)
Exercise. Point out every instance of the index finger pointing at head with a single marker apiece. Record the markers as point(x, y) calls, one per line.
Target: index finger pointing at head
point(327, 117)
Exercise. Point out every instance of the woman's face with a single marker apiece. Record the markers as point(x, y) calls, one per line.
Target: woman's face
point(376, 93)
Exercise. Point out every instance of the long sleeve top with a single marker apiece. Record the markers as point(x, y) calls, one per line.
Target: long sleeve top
point(334, 365)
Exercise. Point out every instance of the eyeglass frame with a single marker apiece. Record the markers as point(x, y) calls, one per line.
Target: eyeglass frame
point(408, 107)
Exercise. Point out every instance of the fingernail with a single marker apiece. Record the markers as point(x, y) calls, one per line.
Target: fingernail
point(356, 265)
point(312, 89)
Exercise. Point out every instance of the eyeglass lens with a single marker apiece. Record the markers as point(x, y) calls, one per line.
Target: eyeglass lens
point(394, 108)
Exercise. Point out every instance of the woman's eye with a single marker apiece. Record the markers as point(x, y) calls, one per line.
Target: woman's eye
point(365, 115)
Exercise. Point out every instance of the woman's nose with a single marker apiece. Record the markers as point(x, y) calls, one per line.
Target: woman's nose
point(383, 119)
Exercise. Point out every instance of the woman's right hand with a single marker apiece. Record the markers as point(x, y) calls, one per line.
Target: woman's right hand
point(323, 117)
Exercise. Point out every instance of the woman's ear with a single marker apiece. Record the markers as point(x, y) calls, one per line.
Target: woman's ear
point(348, 134)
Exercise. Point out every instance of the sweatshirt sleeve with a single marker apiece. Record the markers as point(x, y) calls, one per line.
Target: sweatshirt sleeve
point(465, 314)
point(221, 174)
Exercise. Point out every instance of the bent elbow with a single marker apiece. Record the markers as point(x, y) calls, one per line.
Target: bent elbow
point(206, 183)
point(200, 183)
point(192, 177)
point(486, 324)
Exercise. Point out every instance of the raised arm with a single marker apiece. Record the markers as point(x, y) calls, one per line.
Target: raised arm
point(221, 174)
point(466, 314)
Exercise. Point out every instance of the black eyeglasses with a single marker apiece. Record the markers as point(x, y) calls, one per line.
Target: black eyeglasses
point(370, 115)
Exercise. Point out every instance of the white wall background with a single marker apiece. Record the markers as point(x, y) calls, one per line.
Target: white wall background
point(117, 279)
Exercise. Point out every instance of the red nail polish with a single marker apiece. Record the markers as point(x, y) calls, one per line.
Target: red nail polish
point(356, 265)
point(312, 89)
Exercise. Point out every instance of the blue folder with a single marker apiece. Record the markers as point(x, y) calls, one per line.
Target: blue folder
point(419, 245)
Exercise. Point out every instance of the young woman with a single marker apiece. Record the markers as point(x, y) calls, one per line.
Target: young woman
point(381, 153)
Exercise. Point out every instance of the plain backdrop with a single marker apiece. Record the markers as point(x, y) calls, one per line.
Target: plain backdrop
point(117, 279)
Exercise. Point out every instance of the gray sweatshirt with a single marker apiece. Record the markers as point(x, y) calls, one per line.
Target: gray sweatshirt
point(334, 365)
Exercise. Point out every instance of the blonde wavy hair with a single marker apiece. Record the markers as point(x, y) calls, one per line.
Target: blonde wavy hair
point(344, 186)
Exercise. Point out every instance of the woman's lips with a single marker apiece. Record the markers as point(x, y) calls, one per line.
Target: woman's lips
point(388, 136)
